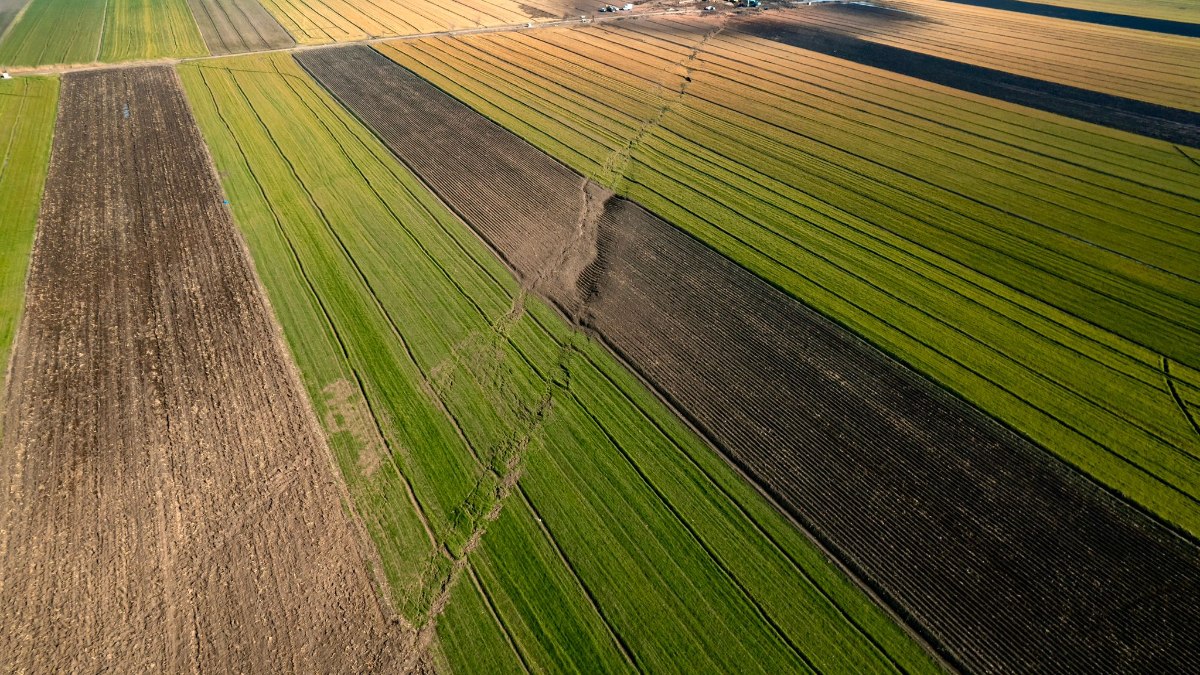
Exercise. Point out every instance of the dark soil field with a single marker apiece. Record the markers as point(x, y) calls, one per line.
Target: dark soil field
point(168, 503)
point(234, 26)
point(1091, 16)
point(1003, 558)
point(1148, 119)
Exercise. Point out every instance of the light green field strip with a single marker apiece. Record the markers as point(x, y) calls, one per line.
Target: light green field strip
point(149, 29)
point(625, 543)
point(28, 108)
point(1016, 257)
point(54, 32)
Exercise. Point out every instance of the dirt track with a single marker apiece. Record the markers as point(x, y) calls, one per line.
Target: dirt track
point(168, 502)
point(1003, 557)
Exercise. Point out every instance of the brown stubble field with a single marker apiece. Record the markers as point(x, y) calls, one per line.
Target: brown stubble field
point(168, 501)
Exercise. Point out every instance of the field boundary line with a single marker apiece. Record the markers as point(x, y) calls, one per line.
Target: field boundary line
point(1191, 159)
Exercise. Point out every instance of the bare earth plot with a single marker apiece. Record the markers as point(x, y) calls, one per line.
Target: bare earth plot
point(168, 501)
point(1004, 557)
point(233, 26)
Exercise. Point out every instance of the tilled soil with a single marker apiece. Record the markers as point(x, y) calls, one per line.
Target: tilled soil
point(235, 26)
point(168, 500)
point(1004, 558)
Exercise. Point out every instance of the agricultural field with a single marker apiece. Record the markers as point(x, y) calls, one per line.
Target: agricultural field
point(1039, 267)
point(8, 11)
point(148, 29)
point(323, 21)
point(54, 31)
point(1185, 11)
point(155, 395)
point(699, 327)
point(234, 26)
point(533, 505)
point(83, 31)
point(27, 109)
point(1140, 65)
point(515, 336)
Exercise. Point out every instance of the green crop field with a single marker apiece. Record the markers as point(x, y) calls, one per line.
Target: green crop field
point(27, 113)
point(1042, 268)
point(82, 31)
point(627, 543)
point(55, 31)
point(147, 29)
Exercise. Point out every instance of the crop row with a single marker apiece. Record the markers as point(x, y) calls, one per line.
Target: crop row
point(800, 205)
point(576, 523)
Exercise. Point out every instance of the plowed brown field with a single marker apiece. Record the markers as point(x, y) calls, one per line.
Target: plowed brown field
point(168, 502)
